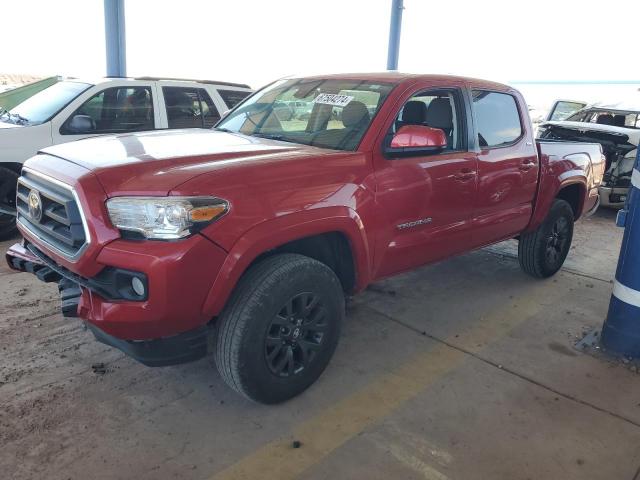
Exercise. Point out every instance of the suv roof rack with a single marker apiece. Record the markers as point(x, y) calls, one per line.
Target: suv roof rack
point(213, 82)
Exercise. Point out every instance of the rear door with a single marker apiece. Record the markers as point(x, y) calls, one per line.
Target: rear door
point(188, 106)
point(507, 166)
point(426, 200)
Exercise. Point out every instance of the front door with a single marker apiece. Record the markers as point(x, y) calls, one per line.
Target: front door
point(115, 109)
point(427, 199)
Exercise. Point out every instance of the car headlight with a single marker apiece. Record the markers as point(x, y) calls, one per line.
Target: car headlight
point(165, 218)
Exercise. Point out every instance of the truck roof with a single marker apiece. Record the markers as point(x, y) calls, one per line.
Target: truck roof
point(400, 77)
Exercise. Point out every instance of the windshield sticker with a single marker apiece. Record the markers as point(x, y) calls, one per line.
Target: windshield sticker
point(333, 99)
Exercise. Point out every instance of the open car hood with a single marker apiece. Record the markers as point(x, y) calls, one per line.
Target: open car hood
point(611, 140)
point(596, 131)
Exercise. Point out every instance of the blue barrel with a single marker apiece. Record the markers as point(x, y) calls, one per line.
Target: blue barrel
point(621, 330)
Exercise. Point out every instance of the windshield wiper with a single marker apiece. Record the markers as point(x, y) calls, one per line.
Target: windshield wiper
point(20, 118)
point(270, 136)
point(14, 117)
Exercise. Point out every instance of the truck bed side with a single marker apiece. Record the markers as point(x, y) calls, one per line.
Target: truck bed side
point(569, 170)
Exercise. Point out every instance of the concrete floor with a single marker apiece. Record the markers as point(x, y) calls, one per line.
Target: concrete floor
point(461, 370)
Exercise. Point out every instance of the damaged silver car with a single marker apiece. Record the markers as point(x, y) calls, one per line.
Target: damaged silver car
point(615, 127)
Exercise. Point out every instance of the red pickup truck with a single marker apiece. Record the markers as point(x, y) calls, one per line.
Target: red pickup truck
point(252, 233)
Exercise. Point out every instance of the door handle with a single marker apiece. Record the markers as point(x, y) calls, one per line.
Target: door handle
point(464, 175)
point(525, 167)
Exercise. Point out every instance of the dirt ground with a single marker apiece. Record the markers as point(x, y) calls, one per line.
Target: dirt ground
point(461, 370)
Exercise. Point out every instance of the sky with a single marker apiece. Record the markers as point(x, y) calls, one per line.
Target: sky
point(256, 41)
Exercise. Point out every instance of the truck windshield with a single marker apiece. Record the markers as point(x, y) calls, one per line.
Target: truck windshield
point(329, 113)
point(45, 104)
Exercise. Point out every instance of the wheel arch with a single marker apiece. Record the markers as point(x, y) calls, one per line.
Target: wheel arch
point(574, 193)
point(565, 186)
point(334, 236)
point(13, 166)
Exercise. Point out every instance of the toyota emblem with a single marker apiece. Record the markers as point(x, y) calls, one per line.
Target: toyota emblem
point(35, 205)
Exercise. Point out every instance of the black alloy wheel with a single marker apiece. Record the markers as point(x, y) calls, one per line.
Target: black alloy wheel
point(295, 335)
point(280, 327)
point(557, 242)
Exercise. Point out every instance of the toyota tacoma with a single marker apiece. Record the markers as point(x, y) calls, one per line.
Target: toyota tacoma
point(251, 234)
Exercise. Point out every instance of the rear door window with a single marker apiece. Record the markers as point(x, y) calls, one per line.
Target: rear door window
point(608, 117)
point(233, 97)
point(189, 108)
point(497, 118)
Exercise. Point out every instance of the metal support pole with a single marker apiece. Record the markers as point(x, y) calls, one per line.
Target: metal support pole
point(621, 330)
point(394, 34)
point(114, 31)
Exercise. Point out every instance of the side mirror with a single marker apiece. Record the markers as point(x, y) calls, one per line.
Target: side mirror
point(81, 124)
point(415, 140)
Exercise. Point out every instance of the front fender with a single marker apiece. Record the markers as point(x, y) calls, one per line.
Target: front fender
point(22, 142)
point(281, 230)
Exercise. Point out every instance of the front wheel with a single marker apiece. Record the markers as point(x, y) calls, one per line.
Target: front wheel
point(280, 328)
point(542, 252)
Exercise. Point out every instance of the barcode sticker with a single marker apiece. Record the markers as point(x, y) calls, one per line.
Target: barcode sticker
point(333, 99)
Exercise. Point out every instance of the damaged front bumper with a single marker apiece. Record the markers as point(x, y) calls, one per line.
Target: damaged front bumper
point(20, 258)
point(161, 323)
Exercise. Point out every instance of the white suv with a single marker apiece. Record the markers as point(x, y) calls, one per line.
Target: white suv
point(73, 109)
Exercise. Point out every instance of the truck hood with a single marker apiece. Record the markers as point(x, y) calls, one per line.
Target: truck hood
point(5, 125)
point(154, 163)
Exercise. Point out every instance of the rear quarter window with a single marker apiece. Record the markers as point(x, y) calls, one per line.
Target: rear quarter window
point(497, 118)
point(233, 97)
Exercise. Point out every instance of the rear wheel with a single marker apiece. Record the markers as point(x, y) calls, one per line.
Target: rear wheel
point(8, 180)
point(542, 252)
point(280, 328)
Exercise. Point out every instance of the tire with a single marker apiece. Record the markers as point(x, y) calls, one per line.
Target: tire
point(542, 252)
point(8, 180)
point(280, 328)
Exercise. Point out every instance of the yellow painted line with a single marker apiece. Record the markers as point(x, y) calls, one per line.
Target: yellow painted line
point(340, 422)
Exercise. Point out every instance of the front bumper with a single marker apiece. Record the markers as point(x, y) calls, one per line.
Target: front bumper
point(182, 348)
point(610, 196)
point(178, 276)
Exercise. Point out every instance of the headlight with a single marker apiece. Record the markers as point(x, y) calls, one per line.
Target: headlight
point(165, 218)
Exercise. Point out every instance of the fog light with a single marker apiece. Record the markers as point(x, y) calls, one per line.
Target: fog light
point(137, 286)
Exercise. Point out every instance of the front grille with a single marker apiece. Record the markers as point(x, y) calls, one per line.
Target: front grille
point(58, 221)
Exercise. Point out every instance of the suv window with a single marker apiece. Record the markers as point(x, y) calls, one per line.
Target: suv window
point(233, 97)
point(118, 110)
point(189, 108)
point(498, 118)
point(608, 117)
point(435, 109)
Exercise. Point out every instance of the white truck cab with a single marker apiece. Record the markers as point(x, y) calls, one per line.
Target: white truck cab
point(73, 109)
